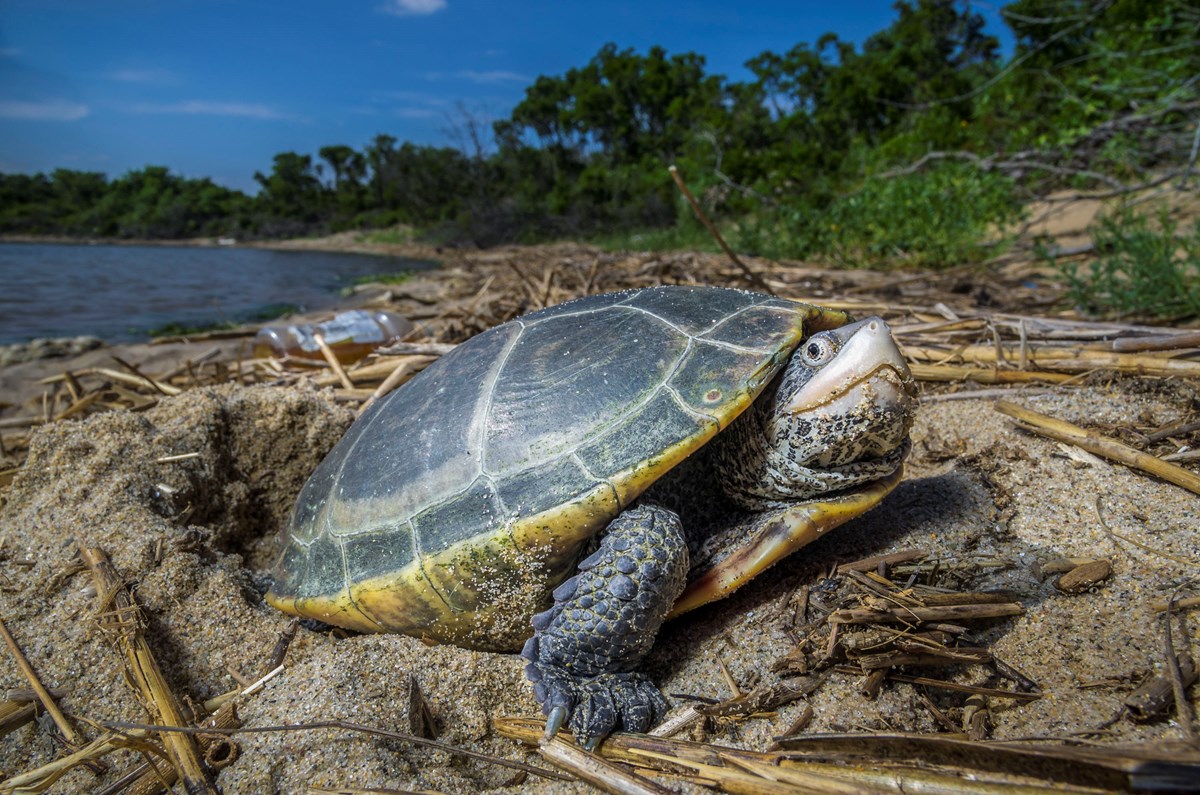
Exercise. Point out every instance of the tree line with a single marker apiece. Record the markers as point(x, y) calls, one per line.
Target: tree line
point(924, 133)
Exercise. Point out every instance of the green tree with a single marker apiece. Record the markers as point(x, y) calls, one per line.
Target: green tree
point(607, 132)
point(1112, 82)
point(381, 157)
point(292, 196)
point(349, 169)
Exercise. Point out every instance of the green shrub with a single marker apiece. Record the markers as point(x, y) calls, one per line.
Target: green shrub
point(937, 218)
point(683, 236)
point(1138, 270)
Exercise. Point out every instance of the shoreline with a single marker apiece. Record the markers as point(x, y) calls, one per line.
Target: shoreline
point(353, 297)
point(349, 242)
point(64, 240)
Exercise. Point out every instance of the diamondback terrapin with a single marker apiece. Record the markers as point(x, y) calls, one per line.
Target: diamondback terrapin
point(677, 439)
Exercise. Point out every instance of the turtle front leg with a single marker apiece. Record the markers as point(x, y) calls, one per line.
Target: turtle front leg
point(586, 648)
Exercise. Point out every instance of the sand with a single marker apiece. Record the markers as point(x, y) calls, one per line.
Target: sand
point(196, 537)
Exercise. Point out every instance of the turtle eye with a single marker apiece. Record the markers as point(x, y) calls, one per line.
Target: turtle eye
point(817, 351)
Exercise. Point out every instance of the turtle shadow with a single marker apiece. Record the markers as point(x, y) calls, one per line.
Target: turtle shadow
point(944, 514)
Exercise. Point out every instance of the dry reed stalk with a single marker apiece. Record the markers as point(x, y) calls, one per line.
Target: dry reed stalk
point(848, 764)
point(79, 405)
point(433, 349)
point(1177, 429)
point(873, 683)
point(795, 727)
point(405, 369)
point(593, 769)
point(1177, 604)
point(42, 778)
point(128, 398)
point(60, 720)
point(356, 395)
point(960, 688)
point(949, 372)
point(530, 288)
point(1107, 447)
point(890, 559)
point(931, 657)
point(753, 276)
point(913, 615)
point(132, 380)
point(678, 722)
point(15, 714)
point(21, 422)
point(187, 364)
point(153, 782)
point(368, 373)
point(332, 359)
point(1069, 360)
point(1157, 342)
point(731, 773)
point(939, 326)
point(121, 613)
point(155, 385)
point(762, 699)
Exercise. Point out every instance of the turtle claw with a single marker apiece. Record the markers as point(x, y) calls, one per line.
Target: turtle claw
point(595, 707)
point(555, 720)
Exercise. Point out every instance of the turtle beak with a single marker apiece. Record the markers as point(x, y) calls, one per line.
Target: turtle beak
point(867, 365)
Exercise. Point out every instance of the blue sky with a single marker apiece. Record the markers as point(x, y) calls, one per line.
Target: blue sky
point(217, 87)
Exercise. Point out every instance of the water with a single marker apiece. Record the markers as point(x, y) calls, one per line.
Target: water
point(120, 293)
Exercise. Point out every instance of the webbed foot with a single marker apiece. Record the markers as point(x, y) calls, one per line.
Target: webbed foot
point(604, 620)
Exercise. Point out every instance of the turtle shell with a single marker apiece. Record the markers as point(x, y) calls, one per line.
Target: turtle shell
point(453, 507)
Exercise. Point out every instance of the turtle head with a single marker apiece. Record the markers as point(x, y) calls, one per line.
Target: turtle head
point(852, 386)
point(835, 419)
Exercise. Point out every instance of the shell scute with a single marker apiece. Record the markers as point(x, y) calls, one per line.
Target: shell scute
point(693, 311)
point(457, 517)
point(379, 552)
point(657, 425)
point(560, 385)
point(544, 487)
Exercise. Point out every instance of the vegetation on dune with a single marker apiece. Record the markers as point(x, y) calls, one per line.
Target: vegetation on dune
point(919, 147)
point(1139, 269)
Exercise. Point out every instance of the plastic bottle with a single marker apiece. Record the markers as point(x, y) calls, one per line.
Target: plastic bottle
point(350, 335)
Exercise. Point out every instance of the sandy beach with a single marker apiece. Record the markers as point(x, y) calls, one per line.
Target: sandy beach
point(187, 495)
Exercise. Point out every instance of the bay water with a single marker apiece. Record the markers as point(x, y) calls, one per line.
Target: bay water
point(121, 293)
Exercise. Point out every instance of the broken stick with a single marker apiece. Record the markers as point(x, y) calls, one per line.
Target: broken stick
point(1105, 446)
point(121, 613)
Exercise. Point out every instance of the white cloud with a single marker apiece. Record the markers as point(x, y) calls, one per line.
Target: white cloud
point(413, 8)
point(9, 52)
point(47, 110)
point(141, 76)
point(413, 113)
point(495, 76)
point(414, 97)
point(200, 108)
